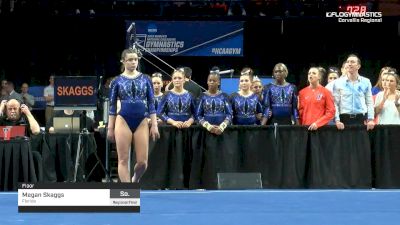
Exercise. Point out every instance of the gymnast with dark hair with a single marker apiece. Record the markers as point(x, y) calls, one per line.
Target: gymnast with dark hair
point(246, 107)
point(214, 111)
point(156, 79)
point(135, 92)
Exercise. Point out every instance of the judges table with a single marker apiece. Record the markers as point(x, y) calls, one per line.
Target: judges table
point(286, 157)
point(16, 164)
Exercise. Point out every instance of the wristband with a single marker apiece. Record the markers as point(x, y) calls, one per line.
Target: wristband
point(221, 129)
point(207, 125)
point(222, 126)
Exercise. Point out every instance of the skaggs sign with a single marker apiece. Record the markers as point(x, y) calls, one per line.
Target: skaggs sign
point(78, 92)
point(75, 91)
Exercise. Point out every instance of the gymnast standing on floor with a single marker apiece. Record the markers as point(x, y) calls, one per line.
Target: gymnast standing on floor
point(135, 91)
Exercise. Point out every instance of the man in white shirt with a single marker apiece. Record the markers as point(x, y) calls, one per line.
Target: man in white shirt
point(353, 97)
point(49, 97)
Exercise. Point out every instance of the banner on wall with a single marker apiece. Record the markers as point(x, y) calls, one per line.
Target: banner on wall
point(230, 85)
point(37, 93)
point(188, 38)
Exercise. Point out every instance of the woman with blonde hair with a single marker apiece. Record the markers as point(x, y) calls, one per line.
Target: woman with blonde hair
point(387, 102)
point(257, 87)
point(177, 107)
point(378, 86)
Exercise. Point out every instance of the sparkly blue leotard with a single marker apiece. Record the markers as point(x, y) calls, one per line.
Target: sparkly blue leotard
point(179, 107)
point(136, 96)
point(157, 100)
point(214, 109)
point(281, 101)
point(245, 109)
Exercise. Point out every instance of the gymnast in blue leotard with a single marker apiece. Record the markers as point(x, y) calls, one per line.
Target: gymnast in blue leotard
point(246, 106)
point(178, 105)
point(214, 111)
point(136, 101)
point(156, 79)
point(130, 126)
point(280, 99)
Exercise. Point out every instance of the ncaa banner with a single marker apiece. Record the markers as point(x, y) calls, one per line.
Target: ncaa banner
point(189, 38)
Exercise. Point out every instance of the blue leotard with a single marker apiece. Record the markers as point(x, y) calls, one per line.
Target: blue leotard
point(214, 109)
point(157, 100)
point(179, 107)
point(136, 96)
point(281, 101)
point(245, 109)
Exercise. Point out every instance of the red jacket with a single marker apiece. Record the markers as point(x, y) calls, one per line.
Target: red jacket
point(316, 106)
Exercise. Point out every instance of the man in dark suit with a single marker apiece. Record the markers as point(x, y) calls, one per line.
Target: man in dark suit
point(12, 93)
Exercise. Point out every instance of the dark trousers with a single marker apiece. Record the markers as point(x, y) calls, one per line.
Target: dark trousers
point(280, 121)
point(353, 119)
point(49, 113)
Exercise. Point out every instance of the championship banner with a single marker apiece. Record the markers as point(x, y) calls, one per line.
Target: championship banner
point(188, 38)
point(77, 92)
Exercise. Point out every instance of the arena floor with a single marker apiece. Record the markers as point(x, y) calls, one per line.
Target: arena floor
point(266, 207)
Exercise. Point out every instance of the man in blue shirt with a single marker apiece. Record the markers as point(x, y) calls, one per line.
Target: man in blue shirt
point(353, 97)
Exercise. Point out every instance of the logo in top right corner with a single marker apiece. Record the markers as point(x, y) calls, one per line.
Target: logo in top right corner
point(355, 14)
